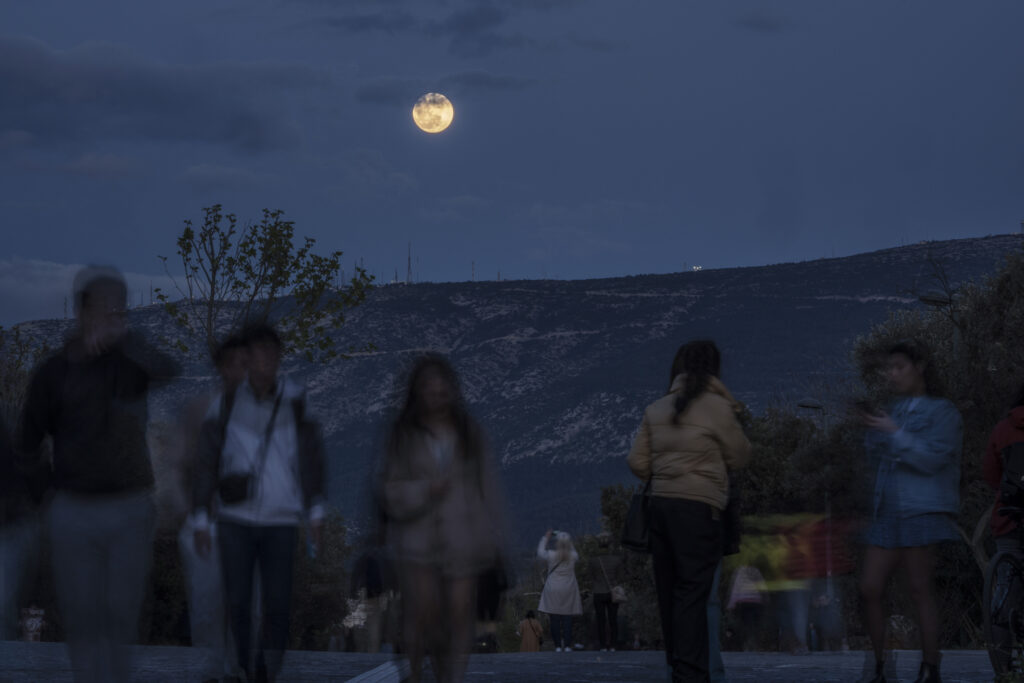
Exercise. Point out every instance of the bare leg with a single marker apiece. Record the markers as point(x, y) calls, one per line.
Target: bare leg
point(461, 595)
point(420, 609)
point(918, 564)
point(878, 566)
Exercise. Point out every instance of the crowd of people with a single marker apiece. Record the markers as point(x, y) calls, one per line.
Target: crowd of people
point(249, 477)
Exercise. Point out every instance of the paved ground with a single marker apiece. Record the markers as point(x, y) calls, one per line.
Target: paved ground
point(38, 662)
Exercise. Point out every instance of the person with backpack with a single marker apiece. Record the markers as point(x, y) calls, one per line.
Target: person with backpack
point(90, 398)
point(1006, 441)
point(560, 597)
point(261, 470)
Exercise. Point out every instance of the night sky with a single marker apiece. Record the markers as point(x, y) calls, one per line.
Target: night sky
point(591, 138)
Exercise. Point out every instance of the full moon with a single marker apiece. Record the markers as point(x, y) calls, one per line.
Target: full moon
point(433, 112)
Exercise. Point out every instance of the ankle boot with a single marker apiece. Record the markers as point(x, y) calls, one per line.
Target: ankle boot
point(879, 672)
point(929, 673)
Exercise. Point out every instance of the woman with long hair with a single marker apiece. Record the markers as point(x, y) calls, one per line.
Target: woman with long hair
point(688, 441)
point(915, 447)
point(440, 497)
point(560, 598)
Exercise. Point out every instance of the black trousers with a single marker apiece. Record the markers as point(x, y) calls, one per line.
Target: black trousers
point(272, 548)
point(686, 547)
point(605, 609)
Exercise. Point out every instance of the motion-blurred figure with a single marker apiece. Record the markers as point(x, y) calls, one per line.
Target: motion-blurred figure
point(90, 397)
point(260, 469)
point(530, 632)
point(440, 494)
point(747, 600)
point(606, 575)
point(560, 598)
point(915, 448)
point(204, 577)
point(19, 530)
point(687, 442)
point(1009, 431)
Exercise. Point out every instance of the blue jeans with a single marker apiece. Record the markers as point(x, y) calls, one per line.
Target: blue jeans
point(242, 547)
point(561, 629)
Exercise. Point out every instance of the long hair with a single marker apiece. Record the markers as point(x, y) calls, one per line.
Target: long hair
point(699, 360)
point(918, 353)
point(410, 418)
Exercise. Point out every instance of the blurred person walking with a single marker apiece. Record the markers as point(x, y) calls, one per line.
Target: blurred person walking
point(91, 398)
point(19, 529)
point(915, 448)
point(687, 442)
point(1007, 432)
point(260, 475)
point(204, 578)
point(560, 597)
point(605, 577)
point(531, 633)
point(443, 509)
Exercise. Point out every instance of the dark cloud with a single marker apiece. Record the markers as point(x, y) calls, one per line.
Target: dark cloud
point(388, 21)
point(97, 92)
point(482, 80)
point(395, 92)
point(390, 92)
point(473, 32)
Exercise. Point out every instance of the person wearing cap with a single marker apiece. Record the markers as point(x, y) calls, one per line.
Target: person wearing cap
point(90, 397)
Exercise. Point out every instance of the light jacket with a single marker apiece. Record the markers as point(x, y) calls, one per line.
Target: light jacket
point(690, 458)
point(561, 592)
point(917, 468)
point(460, 532)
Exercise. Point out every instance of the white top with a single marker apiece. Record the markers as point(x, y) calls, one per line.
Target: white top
point(277, 498)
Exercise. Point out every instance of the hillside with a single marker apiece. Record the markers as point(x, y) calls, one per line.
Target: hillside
point(559, 371)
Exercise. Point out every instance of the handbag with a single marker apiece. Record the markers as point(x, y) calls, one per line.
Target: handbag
point(618, 592)
point(238, 487)
point(636, 530)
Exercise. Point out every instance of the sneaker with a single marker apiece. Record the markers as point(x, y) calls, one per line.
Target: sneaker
point(558, 649)
point(611, 649)
point(604, 649)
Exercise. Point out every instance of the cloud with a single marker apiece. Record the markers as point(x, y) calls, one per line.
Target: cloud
point(368, 174)
point(399, 92)
point(389, 21)
point(482, 80)
point(390, 92)
point(215, 177)
point(39, 290)
point(99, 92)
point(12, 139)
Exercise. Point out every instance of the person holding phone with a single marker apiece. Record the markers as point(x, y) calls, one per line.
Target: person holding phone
point(915, 447)
point(560, 598)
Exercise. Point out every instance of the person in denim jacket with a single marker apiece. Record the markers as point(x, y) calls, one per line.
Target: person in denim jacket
point(915, 448)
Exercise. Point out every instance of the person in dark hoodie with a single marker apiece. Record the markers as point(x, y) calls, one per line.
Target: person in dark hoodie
point(1004, 528)
point(91, 398)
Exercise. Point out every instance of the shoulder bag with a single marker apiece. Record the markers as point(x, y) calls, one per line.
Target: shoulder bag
point(636, 531)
